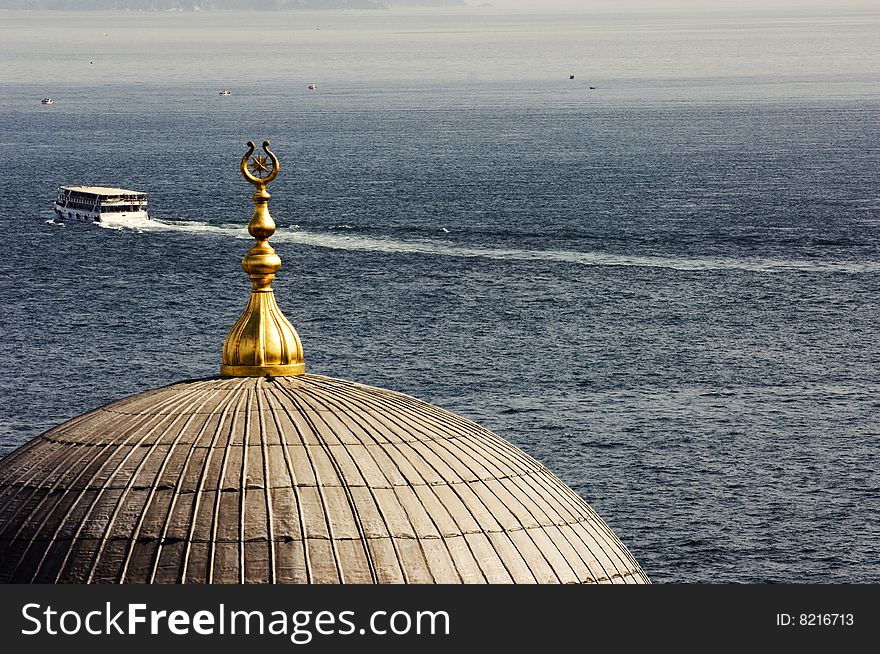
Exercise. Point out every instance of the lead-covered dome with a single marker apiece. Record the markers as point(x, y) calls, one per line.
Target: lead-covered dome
point(302, 479)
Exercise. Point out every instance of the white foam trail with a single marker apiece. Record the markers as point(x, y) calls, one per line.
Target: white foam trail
point(368, 244)
point(354, 242)
point(190, 226)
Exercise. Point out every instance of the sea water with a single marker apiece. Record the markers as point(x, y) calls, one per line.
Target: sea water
point(665, 287)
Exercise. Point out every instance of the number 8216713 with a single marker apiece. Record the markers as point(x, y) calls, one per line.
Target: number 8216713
point(815, 620)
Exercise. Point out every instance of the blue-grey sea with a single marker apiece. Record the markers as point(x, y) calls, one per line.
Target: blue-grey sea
point(665, 287)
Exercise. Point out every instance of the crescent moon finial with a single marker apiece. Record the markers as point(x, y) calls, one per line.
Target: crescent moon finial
point(259, 170)
point(262, 342)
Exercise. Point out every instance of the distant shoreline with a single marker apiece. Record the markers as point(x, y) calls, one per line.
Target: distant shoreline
point(198, 6)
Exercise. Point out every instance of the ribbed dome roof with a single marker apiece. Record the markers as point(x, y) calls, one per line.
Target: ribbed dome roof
point(302, 479)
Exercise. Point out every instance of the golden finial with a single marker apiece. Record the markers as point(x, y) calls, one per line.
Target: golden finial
point(262, 342)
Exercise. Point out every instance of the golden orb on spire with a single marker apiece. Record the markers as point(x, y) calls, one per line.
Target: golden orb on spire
point(262, 342)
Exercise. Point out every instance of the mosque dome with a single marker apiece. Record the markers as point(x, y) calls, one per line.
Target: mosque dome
point(267, 474)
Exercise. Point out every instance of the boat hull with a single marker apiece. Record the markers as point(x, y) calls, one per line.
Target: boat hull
point(82, 215)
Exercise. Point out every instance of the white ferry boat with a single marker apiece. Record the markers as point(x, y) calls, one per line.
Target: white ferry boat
point(97, 203)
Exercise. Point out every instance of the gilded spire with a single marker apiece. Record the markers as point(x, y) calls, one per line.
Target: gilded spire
point(262, 342)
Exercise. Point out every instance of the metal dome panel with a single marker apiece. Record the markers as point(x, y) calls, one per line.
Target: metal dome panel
point(303, 479)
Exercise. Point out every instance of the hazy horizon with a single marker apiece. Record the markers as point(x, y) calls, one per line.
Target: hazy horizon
point(612, 6)
point(674, 4)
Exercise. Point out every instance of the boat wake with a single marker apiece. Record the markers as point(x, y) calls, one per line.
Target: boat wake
point(144, 225)
point(337, 240)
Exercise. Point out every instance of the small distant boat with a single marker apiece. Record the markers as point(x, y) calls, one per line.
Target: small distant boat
point(592, 88)
point(47, 101)
point(571, 77)
point(225, 92)
point(312, 87)
point(100, 203)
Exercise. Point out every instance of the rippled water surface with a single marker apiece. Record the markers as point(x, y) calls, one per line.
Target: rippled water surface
point(664, 288)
